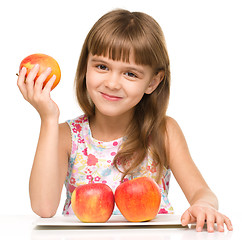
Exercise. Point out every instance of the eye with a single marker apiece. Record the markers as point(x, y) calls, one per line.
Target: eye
point(130, 74)
point(102, 67)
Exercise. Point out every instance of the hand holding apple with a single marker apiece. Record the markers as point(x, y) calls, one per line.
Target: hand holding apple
point(93, 202)
point(36, 80)
point(44, 62)
point(138, 199)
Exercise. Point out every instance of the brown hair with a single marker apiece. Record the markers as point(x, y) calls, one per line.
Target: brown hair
point(114, 35)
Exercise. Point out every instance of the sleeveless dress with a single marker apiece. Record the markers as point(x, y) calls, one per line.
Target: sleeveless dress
point(92, 160)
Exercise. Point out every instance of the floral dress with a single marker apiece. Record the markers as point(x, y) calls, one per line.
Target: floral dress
point(92, 160)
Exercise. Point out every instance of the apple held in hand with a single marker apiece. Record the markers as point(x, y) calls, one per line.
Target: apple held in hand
point(139, 199)
point(93, 202)
point(44, 62)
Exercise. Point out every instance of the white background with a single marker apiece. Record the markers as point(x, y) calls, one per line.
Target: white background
point(204, 41)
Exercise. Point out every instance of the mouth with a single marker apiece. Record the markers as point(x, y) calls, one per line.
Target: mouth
point(110, 97)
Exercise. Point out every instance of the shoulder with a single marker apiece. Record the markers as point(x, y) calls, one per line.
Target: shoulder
point(175, 140)
point(172, 127)
point(64, 128)
point(69, 130)
point(76, 123)
point(170, 122)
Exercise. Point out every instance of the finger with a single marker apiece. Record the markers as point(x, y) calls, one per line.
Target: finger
point(185, 218)
point(193, 218)
point(39, 82)
point(30, 79)
point(21, 76)
point(210, 222)
point(33, 73)
point(200, 221)
point(49, 84)
point(220, 222)
point(20, 81)
point(228, 223)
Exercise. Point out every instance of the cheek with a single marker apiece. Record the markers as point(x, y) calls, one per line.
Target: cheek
point(91, 80)
point(135, 93)
point(136, 90)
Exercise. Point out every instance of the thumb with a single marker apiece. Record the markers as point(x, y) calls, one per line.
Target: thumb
point(185, 218)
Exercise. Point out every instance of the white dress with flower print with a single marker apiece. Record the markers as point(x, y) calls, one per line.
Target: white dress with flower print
point(92, 160)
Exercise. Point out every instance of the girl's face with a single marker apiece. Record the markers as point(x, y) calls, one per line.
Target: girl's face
point(115, 87)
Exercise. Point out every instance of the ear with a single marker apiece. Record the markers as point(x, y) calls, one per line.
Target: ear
point(155, 81)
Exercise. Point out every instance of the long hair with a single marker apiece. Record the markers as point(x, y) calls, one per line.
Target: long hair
point(115, 35)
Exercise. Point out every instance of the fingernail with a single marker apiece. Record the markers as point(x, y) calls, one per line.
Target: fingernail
point(221, 228)
point(199, 229)
point(210, 229)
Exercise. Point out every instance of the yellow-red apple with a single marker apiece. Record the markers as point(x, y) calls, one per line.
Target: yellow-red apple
point(44, 62)
point(93, 202)
point(138, 199)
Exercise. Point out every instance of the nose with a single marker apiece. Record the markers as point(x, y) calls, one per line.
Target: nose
point(113, 81)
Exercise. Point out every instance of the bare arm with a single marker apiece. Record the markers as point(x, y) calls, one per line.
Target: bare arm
point(49, 169)
point(204, 203)
point(184, 169)
point(51, 158)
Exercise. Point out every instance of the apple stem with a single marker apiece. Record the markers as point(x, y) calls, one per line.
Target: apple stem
point(92, 180)
point(17, 74)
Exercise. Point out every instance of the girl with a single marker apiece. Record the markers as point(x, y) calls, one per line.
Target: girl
point(122, 85)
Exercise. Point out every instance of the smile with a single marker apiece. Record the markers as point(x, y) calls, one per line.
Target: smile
point(110, 97)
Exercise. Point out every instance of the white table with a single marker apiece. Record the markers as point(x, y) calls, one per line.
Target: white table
point(23, 227)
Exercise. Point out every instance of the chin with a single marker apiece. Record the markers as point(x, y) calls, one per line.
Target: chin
point(113, 112)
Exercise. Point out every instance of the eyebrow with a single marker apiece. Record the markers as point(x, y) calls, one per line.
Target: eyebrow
point(131, 67)
point(98, 60)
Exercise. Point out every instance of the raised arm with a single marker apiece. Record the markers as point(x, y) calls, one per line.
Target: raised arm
point(51, 158)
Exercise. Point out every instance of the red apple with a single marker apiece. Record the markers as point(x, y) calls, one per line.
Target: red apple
point(139, 199)
point(93, 202)
point(44, 62)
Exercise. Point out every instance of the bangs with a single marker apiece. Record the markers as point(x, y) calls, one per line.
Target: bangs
point(118, 38)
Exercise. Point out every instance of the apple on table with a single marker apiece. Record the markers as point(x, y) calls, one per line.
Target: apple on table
point(93, 202)
point(138, 199)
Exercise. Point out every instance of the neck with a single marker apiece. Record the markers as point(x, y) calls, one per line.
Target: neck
point(106, 128)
